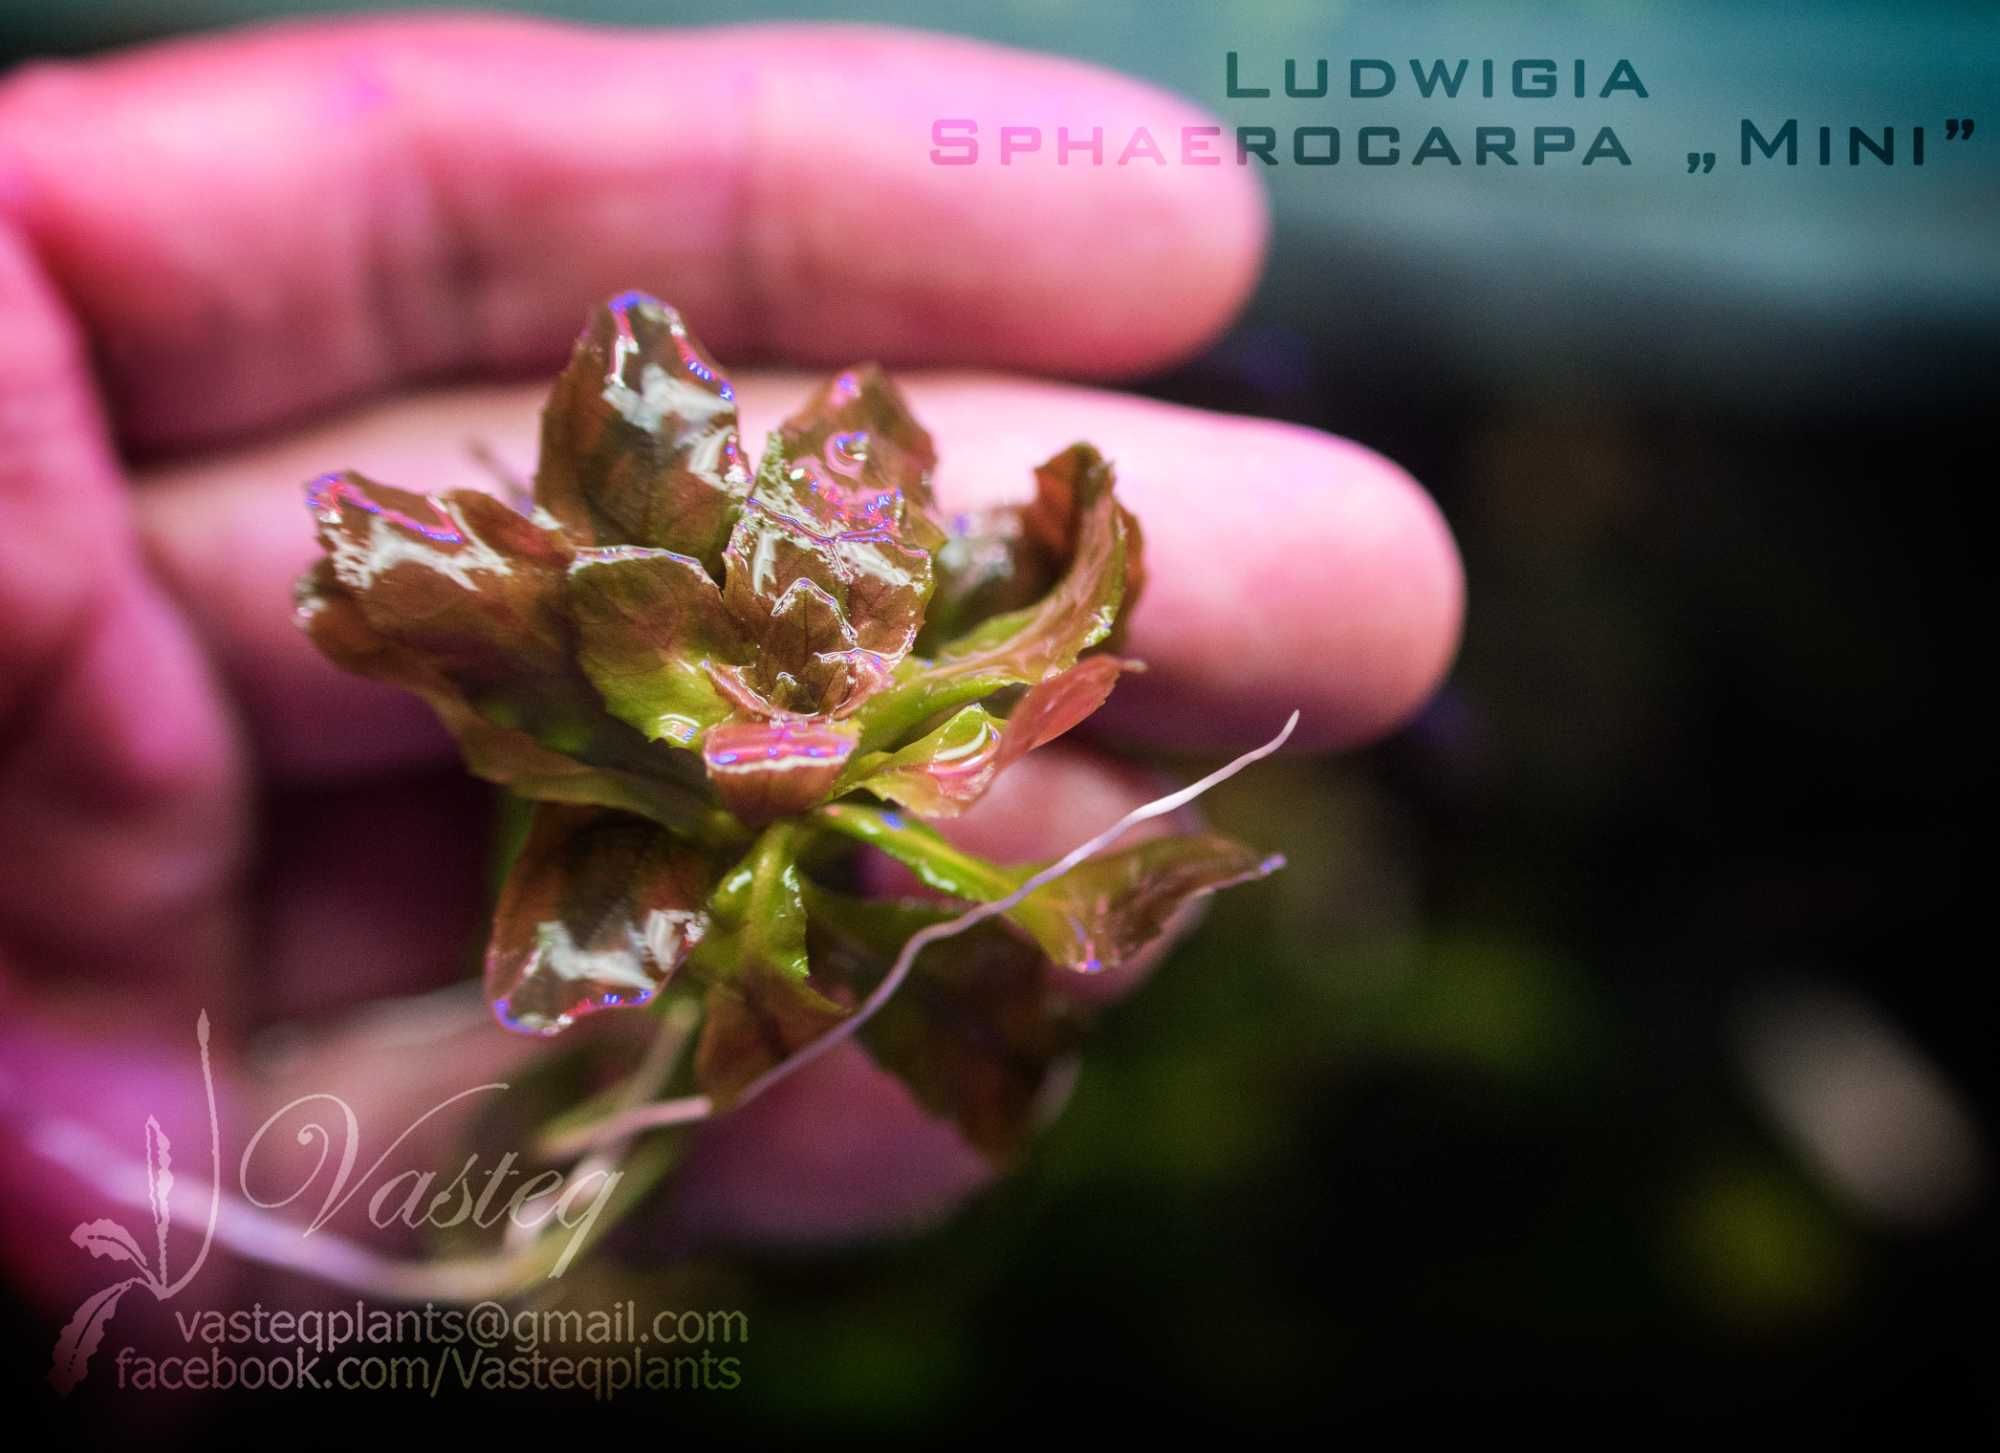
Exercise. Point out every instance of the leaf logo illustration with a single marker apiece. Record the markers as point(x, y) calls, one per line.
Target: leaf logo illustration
point(85, 1330)
point(160, 1185)
point(79, 1339)
point(109, 1239)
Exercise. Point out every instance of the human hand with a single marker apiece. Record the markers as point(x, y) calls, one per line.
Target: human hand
point(227, 265)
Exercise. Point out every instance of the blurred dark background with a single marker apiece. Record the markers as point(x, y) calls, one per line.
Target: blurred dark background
point(1617, 1051)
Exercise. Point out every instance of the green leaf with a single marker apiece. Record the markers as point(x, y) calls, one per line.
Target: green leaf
point(978, 1030)
point(946, 771)
point(764, 1001)
point(598, 911)
point(1029, 645)
point(639, 437)
point(649, 625)
point(922, 850)
point(939, 775)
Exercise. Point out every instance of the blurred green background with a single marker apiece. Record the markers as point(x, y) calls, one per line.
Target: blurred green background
point(1616, 1051)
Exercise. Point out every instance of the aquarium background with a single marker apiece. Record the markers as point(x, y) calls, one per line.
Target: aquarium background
point(1618, 1051)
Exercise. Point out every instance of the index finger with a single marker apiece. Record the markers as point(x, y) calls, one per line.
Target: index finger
point(256, 227)
point(1284, 568)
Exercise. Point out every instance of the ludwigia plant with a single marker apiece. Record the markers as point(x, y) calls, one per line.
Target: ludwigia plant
point(717, 683)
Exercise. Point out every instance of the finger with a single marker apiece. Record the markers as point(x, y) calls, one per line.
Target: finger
point(124, 802)
point(838, 1150)
point(319, 1136)
point(1285, 568)
point(256, 226)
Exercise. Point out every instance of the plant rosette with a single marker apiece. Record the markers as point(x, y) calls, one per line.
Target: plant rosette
point(717, 683)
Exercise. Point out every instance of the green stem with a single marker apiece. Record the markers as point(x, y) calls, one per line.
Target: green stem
point(920, 849)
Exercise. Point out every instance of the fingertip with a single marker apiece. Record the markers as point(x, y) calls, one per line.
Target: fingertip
point(1341, 598)
point(1065, 218)
point(1286, 568)
point(1406, 564)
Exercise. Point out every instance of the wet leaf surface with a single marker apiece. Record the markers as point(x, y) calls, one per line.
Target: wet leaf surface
point(600, 909)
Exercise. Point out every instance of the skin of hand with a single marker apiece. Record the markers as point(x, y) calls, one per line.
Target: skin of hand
point(228, 264)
